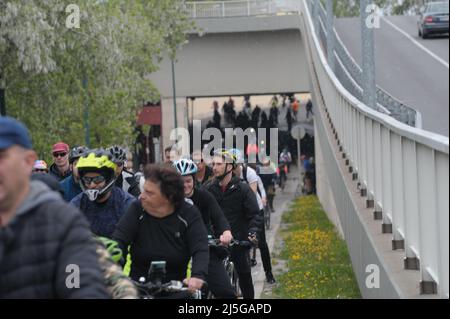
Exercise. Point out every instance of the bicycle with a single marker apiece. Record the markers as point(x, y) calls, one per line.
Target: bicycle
point(267, 213)
point(283, 175)
point(228, 263)
point(153, 286)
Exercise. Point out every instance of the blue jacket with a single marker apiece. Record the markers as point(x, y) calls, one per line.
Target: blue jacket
point(103, 217)
point(70, 188)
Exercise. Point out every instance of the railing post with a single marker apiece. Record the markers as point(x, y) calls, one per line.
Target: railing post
point(330, 34)
point(316, 8)
point(223, 9)
point(195, 10)
point(367, 37)
point(248, 8)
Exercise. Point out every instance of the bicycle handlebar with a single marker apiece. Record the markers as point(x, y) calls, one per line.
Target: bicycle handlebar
point(214, 242)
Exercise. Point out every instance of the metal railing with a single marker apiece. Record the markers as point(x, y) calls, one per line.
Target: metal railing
point(404, 170)
point(346, 68)
point(241, 8)
point(396, 108)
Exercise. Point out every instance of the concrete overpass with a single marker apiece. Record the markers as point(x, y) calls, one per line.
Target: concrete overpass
point(383, 183)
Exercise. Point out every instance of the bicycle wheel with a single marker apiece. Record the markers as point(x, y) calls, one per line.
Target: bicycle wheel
point(267, 217)
point(229, 268)
point(282, 182)
point(236, 286)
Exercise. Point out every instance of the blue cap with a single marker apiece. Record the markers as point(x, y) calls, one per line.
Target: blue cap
point(13, 132)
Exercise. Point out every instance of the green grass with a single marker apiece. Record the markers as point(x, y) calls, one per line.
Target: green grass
point(317, 260)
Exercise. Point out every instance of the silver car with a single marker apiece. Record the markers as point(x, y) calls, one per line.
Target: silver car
point(433, 19)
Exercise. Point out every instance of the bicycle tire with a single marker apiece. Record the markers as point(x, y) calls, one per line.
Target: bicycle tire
point(236, 285)
point(267, 214)
point(283, 179)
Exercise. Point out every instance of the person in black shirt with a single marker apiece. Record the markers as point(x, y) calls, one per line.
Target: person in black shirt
point(240, 207)
point(216, 225)
point(163, 227)
point(204, 172)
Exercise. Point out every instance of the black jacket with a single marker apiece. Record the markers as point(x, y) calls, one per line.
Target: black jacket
point(173, 239)
point(212, 215)
point(39, 246)
point(239, 206)
point(53, 170)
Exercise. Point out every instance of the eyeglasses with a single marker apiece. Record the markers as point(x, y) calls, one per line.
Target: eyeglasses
point(97, 180)
point(59, 154)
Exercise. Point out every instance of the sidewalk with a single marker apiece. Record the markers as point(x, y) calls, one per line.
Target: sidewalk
point(281, 203)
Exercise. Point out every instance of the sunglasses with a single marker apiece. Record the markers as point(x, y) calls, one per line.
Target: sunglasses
point(97, 180)
point(59, 154)
point(40, 170)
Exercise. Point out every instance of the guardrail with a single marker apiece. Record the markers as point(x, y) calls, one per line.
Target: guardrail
point(404, 170)
point(396, 108)
point(227, 9)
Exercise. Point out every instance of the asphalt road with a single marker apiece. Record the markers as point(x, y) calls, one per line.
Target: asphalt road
point(413, 75)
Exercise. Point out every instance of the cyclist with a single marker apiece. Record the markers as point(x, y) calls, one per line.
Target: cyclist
point(40, 234)
point(125, 179)
point(285, 157)
point(204, 172)
point(102, 203)
point(216, 225)
point(117, 284)
point(240, 207)
point(285, 161)
point(162, 226)
point(269, 180)
point(248, 175)
point(71, 185)
point(60, 168)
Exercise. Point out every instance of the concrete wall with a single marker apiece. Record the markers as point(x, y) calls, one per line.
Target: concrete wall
point(234, 56)
point(237, 64)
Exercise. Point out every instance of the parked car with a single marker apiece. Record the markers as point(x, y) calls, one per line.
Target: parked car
point(433, 19)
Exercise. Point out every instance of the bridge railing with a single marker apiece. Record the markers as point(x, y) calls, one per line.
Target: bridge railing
point(397, 109)
point(402, 169)
point(240, 8)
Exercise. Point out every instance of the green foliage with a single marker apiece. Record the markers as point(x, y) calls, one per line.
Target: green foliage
point(317, 261)
point(45, 65)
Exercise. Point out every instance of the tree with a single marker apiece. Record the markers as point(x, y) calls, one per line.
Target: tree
point(45, 65)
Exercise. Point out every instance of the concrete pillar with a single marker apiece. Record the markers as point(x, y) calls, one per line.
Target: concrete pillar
point(168, 120)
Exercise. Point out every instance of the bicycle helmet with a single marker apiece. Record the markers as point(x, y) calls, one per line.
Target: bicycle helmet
point(238, 155)
point(98, 161)
point(228, 156)
point(112, 247)
point(76, 153)
point(118, 154)
point(40, 165)
point(185, 167)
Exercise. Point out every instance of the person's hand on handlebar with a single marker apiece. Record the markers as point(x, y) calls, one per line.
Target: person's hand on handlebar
point(193, 284)
point(264, 201)
point(226, 238)
point(252, 237)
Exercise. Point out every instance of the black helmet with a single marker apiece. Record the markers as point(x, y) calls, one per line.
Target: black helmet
point(76, 153)
point(118, 154)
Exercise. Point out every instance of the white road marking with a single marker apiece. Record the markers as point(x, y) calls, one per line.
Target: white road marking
point(443, 62)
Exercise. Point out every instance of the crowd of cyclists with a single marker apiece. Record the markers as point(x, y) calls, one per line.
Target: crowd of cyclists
point(106, 217)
